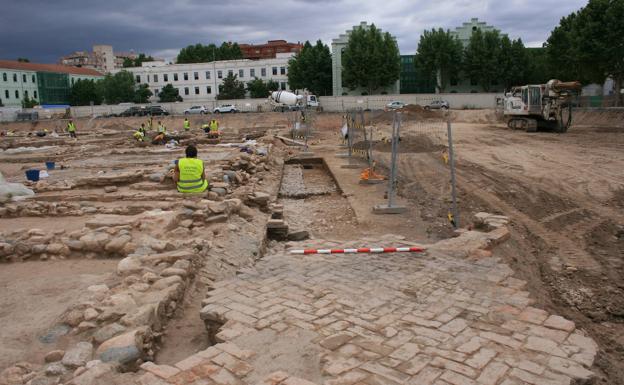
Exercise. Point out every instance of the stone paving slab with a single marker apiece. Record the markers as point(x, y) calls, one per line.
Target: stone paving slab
point(399, 318)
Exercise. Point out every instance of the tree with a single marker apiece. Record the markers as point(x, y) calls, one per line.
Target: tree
point(311, 69)
point(538, 71)
point(371, 60)
point(83, 92)
point(232, 88)
point(23, 60)
point(481, 58)
point(142, 94)
point(199, 53)
point(128, 62)
point(587, 44)
point(439, 56)
point(257, 88)
point(118, 88)
point(28, 103)
point(272, 85)
point(169, 94)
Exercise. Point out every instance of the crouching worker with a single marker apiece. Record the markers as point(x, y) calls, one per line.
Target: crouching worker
point(189, 173)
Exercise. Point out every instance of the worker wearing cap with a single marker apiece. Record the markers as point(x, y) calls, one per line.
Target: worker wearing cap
point(71, 128)
point(189, 174)
point(187, 124)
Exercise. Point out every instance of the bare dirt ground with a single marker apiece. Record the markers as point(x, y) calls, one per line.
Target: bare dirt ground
point(34, 295)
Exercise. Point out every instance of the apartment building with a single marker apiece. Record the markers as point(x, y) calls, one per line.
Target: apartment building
point(201, 81)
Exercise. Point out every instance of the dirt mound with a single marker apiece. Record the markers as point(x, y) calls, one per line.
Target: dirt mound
point(409, 112)
point(407, 144)
point(612, 118)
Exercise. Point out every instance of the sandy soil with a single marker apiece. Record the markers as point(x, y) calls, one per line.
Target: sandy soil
point(39, 293)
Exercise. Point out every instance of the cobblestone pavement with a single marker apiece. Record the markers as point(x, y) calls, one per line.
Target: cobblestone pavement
point(438, 318)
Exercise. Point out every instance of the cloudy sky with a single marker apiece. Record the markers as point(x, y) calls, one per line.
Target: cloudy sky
point(44, 30)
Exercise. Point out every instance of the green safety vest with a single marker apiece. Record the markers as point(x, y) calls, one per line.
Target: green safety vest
point(214, 126)
point(71, 127)
point(187, 125)
point(191, 176)
point(162, 128)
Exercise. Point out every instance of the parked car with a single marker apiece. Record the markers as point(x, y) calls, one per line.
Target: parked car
point(396, 105)
point(157, 110)
point(437, 105)
point(225, 108)
point(134, 111)
point(196, 110)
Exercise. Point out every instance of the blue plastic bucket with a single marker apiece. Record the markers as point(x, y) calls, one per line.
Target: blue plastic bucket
point(50, 165)
point(32, 175)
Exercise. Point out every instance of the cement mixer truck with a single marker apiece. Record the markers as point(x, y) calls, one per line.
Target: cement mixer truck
point(287, 101)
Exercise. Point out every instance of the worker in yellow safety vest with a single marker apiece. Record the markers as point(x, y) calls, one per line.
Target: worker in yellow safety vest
point(214, 126)
point(189, 173)
point(71, 128)
point(150, 123)
point(187, 124)
point(161, 128)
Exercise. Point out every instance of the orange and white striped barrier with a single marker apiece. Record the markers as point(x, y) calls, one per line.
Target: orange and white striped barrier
point(361, 250)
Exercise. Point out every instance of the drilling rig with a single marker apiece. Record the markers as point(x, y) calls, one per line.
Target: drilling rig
point(546, 106)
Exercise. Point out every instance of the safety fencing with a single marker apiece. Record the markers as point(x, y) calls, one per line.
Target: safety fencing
point(411, 152)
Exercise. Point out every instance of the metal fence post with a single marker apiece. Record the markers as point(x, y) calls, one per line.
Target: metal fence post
point(455, 212)
point(391, 208)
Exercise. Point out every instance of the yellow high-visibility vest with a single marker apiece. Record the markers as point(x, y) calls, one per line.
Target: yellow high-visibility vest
point(191, 176)
point(214, 126)
point(187, 125)
point(71, 127)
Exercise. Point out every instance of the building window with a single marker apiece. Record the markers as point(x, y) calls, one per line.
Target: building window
point(196, 90)
point(73, 80)
point(207, 74)
point(34, 80)
point(186, 76)
point(35, 94)
point(186, 91)
point(138, 78)
point(15, 77)
point(220, 74)
point(241, 73)
point(263, 72)
point(175, 77)
point(165, 77)
point(24, 78)
point(4, 77)
point(252, 72)
point(274, 70)
point(283, 86)
point(196, 75)
point(26, 94)
point(6, 94)
point(16, 94)
point(208, 90)
point(156, 91)
point(155, 78)
point(282, 70)
point(230, 72)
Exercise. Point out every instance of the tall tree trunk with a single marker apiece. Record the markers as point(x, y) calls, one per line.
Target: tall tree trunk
point(618, 88)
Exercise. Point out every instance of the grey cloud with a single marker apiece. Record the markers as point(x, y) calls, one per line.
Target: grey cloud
point(44, 30)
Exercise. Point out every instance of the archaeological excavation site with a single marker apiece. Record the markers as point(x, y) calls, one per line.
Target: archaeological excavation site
point(329, 248)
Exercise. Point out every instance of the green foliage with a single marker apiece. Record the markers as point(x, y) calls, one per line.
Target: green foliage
point(118, 88)
point(83, 92)
point(231, 88)
point(587, 44)
point(371, 60)
point(23, 60)
point(272, 85)
point(538, 71)
point(136, 62)
point(257, 88)
point(169, 94)
point(199, 53)
point(311, 69)
point(142, 94)
point(28, 103)
point(439, 53)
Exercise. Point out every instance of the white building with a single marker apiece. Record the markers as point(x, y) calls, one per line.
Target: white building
point(201, 81)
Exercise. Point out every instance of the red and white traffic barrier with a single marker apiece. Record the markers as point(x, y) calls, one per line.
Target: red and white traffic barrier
point(361, 250)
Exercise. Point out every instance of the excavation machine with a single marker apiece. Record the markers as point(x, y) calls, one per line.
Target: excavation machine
point(546, 106)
